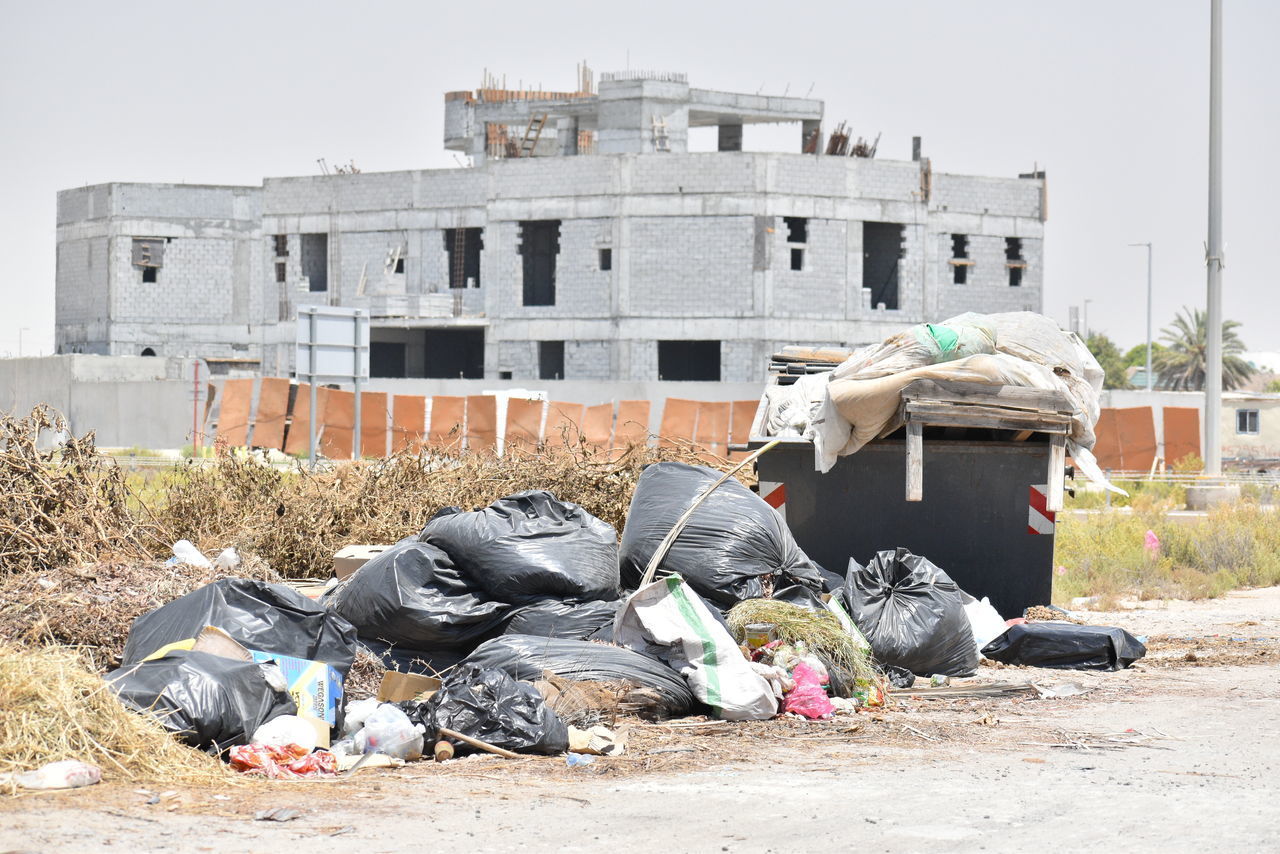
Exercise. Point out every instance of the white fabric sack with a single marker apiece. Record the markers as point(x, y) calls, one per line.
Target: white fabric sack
point(668, 620)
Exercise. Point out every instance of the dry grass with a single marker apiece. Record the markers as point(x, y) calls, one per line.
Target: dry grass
point(92, 607)
point(55, 708)
point(1104, 554)
point(822, 633)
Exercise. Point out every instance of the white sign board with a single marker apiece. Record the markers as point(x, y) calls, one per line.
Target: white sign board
point(333, 343)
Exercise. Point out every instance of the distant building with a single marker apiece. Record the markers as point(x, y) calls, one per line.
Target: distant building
point(586, 242)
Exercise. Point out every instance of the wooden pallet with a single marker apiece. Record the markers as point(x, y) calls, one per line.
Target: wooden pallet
point(961, 404)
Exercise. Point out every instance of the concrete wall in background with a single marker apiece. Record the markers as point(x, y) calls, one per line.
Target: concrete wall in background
point(124, 400)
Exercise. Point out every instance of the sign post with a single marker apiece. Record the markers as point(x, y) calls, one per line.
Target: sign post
point(332, 346)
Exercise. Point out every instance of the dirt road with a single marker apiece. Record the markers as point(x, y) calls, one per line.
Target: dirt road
point(1185, 757)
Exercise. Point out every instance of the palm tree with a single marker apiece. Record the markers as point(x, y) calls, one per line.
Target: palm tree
point(1181, 366)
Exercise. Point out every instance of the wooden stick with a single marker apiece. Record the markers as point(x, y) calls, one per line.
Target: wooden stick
point(477, 743)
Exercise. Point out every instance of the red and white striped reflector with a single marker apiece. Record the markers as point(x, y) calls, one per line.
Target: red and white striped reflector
point(775, 495)
point(1040, 519)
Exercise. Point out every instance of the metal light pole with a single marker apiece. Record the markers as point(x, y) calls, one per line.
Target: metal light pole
point(1149, 377)
point(1213, 253)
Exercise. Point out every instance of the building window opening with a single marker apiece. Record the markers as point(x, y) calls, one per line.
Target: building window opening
point(315, 261)
point(797, 229)
point(282, 274)
point(147, 351)
point(281, 242)
point(463, 246)
point(881, 252)
point(797, 259)
point(550, 360)
point(960, 262)
point(606, 259)
point(689, 360)
point(148, 275)
point(454, 354)
point(1247, 422)
point(1014, 260)
point(539, 246)
point(399, 265)
point(388, 359)
point(504, 375)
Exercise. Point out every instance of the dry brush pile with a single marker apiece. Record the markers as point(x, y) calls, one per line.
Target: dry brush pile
point(81, 553)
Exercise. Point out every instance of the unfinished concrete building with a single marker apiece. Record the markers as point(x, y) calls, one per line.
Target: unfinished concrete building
point(584, 241)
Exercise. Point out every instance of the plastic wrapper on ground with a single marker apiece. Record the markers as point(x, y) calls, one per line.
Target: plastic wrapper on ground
point(412, 595)
point(209, 701)
point(912, 613)
point(260, 616)
point(730, 543)
point(282, 761)
point(525, 657)
point(530, 546)
point(1066, 646)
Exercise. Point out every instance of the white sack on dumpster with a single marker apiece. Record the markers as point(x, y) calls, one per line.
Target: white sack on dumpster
point(668, 621)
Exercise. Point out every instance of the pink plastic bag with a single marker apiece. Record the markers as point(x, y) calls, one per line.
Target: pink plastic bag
point(808, 699)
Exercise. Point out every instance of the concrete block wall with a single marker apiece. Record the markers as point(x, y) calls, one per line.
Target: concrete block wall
point(819, 288)
point(690, 266)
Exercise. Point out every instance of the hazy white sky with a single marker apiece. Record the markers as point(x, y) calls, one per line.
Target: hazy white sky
point(1111, 97)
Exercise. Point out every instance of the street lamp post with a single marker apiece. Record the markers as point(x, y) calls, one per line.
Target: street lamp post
point(1213, 254)
point(1149, 378)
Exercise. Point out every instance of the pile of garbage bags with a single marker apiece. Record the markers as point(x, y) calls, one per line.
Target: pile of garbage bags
point(533, 588)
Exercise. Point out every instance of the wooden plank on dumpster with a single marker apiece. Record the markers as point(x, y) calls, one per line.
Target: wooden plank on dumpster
point(337, 441)
point(915, 461)
point(482, 422)
point(373, 424)
point(679, 420)
point(941, 414)
point(633, 424)
point(1018, 397)
point(448, 417)
point(524, 424)
point(233, 415)
point(273, 409)
point(408, 422)
point(597, 425)
point(564, 424)
point(1057, 471)
point(300, 424)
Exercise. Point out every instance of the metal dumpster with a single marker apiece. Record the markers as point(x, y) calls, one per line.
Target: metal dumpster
point(982, 517)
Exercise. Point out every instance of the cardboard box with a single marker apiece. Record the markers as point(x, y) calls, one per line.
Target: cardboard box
point(350, 558)
point(397, 687)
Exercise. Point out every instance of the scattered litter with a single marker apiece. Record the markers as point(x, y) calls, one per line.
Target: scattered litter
point(287, 761)
point(1066, 646)
point(598, 740)
point(574, 760)
point(64, 774)
point(277, 814)
point(1057, 692)
point(185, 552)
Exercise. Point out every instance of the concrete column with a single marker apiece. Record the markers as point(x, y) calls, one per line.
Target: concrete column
point(567, 131)
point(730, 138)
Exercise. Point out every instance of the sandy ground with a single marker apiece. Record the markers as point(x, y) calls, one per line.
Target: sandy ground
point(1180, 753)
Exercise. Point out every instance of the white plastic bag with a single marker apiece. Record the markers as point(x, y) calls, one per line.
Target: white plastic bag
point(357, 713)
point(984, 620)
point(667, 619)
point(185, 552)
point(65, 774)
point(286, 729)
point(389, 730)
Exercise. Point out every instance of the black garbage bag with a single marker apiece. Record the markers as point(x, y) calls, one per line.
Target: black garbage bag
point(488, 704)
point(551, 618)
point(831, 581)
point(531, 546)
point(731, 541)
point(912, 614)
point(802, 596)
point(208, 701)
point(259, 615)
point(1066, 646)
point(411, 595)
point(526, 657)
